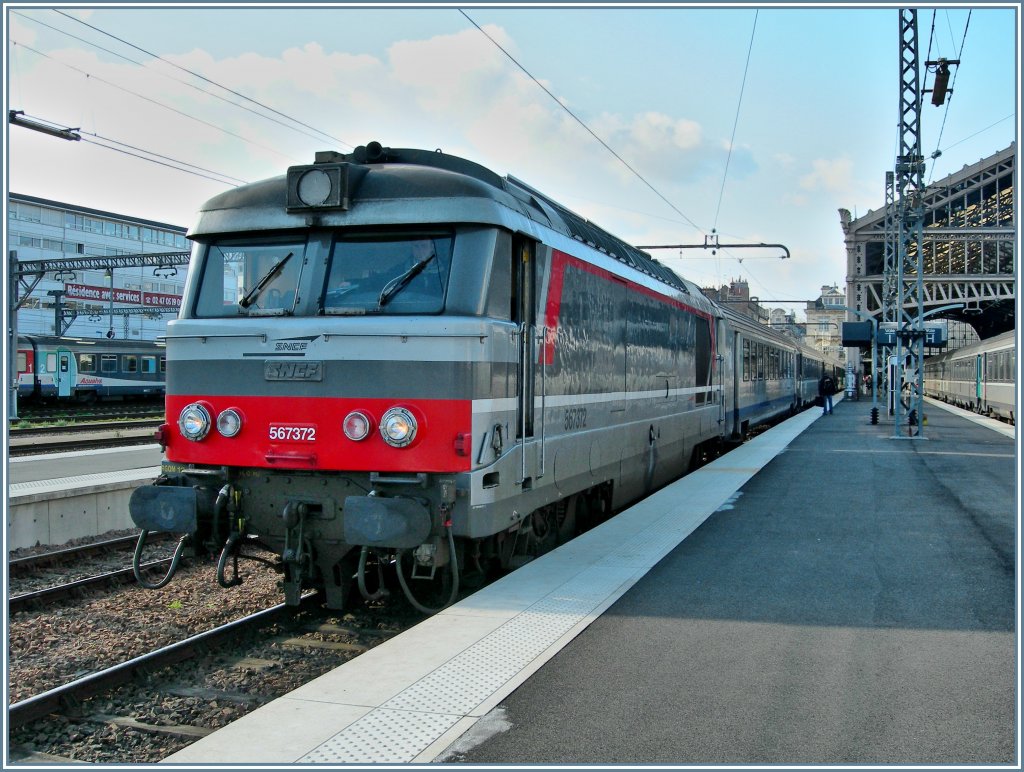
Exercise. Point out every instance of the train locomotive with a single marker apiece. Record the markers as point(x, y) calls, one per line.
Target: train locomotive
point(398, 360)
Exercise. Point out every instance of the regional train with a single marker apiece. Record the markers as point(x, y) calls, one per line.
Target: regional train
point(84, 370)
point(981, 377)
point(396, 363)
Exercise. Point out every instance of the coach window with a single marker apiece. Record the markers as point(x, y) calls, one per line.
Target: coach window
point(86, 363)
point(746, 360)
point(163, 364)
point(108, 363)
point(149, 365)
point(130, 363)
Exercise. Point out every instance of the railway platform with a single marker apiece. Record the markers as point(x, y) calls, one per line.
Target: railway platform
point(56, 497)
point(824, 594)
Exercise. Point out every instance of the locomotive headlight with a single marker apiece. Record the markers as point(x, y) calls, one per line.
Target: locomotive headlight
point(357, 425)
point(314, 187)
point(194, 422)
point(229, 422)
point(398, 427)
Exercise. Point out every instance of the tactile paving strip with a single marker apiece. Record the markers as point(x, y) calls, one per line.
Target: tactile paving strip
point(382, 737)
point(417, 716)
point(83, 481)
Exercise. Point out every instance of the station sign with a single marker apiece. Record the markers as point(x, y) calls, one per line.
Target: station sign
point(934, 333)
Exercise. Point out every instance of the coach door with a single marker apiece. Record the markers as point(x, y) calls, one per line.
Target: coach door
point(524, 311)
point(66, 374)
point(979, 377)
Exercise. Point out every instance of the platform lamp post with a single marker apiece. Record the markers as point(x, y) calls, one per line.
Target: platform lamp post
point(874, 357)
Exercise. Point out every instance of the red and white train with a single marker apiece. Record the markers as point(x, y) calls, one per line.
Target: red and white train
point(397, 359)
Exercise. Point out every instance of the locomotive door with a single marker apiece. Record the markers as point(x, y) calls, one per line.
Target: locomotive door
point(65, 375)
point(524, 313)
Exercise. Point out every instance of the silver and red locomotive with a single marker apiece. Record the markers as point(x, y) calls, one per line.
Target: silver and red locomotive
point(397, 358)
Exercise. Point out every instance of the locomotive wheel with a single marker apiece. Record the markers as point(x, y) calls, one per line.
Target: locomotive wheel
point(544, 523)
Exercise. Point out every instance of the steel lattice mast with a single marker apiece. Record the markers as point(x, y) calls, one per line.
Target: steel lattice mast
point(909, 210)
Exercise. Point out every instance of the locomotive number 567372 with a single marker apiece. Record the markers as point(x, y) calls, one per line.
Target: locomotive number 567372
point(575, 418)
point(282, 433)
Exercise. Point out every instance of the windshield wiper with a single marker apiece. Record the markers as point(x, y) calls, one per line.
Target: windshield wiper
point(268, 277)
point(399, 283)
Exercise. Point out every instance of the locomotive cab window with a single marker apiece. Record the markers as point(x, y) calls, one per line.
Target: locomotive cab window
point(252, 278)
point(388, 274)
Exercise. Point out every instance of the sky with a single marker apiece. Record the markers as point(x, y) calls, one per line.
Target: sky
point(661, 124)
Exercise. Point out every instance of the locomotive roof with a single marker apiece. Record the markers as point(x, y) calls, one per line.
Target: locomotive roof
point(450, 189)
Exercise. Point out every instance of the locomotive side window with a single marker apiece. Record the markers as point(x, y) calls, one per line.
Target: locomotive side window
point(388, 274)
point(249, 278)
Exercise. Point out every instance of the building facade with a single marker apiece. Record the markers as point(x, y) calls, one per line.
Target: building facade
point(825, 317)
point(41, 229)
point(968, 248)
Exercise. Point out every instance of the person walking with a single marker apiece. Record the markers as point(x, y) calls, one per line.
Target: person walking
point(826, 388)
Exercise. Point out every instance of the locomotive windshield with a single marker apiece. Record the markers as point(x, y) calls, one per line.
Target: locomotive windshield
point(250, 279)
point(365, 273)
point(388, 274)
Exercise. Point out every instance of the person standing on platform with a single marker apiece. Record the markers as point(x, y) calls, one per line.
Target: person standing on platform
point(826, 388)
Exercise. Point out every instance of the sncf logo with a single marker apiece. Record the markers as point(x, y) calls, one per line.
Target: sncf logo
point(293, 371)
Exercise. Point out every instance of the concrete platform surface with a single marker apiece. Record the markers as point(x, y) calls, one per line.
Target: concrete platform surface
point(856, 604)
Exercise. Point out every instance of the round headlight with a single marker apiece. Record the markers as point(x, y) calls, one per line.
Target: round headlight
point(194, 422)
point(398, 427)
point(314, 187)
point(229, 423)
point(356, 426)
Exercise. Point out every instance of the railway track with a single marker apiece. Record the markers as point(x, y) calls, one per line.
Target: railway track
point(69, 695)
point(41, 415)
point(84, 436)
point(143, 709)
point(35, 598)
point(107, 564)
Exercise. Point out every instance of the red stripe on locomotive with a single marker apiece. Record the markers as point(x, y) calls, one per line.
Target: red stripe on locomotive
point(440, 424)
point(553, 308)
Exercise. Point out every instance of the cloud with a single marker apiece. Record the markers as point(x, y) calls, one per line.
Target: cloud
point(455, 91)
point(834, 176)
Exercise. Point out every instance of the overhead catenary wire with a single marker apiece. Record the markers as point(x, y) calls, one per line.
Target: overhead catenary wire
point(183, 82)
point(945, 113)
point(735, 123)
point(155, 102)
point(226, 177)
point(582, 123)
point(206, 79)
